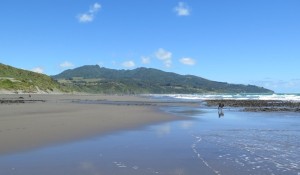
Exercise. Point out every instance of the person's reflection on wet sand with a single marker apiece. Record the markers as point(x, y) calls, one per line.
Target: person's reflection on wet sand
point(220, 110)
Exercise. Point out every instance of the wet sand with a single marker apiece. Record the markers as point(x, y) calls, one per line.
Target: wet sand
point(43, 120)
point(72, 139)
point(240, 143)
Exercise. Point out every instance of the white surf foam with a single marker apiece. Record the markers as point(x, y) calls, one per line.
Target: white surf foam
point(284, 97)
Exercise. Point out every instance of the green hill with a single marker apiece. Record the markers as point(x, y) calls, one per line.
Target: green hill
point(18, 80)
point(98, 79)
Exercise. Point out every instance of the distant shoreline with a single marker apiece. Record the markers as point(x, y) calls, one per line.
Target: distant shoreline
point(250, 105)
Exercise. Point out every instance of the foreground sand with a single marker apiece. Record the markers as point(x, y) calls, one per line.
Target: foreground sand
point(32, 125)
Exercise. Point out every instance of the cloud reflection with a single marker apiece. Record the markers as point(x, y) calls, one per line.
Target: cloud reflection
point(89, 167)
point(186, 124)
point(163, 130)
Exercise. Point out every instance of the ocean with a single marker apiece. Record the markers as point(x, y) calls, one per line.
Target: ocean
point(275, 96)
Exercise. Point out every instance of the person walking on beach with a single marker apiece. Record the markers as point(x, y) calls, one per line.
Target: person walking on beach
point(221, 105)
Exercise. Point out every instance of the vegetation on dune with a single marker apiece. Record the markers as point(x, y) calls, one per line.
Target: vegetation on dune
point(14, 79)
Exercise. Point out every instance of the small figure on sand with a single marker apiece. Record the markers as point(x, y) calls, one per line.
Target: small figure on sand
point(221, 105)
point(220, 110)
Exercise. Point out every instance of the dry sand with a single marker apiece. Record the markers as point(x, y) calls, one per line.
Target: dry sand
point(33, 125)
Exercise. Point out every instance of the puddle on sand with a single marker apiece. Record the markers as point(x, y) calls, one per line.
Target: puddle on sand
point(238, 143)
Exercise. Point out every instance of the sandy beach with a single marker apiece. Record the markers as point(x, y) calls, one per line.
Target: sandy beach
point(100, 134)
point(56, 119)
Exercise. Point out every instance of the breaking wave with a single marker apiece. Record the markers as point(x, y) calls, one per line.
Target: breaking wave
point(284, 97)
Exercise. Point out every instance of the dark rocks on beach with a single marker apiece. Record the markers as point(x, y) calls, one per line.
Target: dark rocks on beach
point(18, 100)
point(265, 109)
point(259, 105)
point(11, 101)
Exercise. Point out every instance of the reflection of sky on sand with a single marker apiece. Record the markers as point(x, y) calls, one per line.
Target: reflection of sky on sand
point(89, 168)
point(163, 130)
point(186, 124)
point(260, 143)
point(239, 143)
point(166, 129)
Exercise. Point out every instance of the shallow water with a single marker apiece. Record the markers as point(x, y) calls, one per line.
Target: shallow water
point(238, 143)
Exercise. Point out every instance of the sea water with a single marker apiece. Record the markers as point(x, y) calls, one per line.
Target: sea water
point(240, 143)
point(241, 96)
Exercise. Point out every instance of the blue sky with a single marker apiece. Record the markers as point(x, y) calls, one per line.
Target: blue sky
point(236, 41)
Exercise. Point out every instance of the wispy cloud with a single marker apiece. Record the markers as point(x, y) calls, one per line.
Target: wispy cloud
point(113, 62)
point(145, 60)
point(292, 85)
point(38, 70)
point(66, 64)
point(101, 64)
point(188, 61)
point(84, 18)
point(128, 64)
point(182, 9)
point(95, 8)
point(164, 56)
point(90, 15)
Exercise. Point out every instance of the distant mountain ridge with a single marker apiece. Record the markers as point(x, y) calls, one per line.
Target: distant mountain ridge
point(96, 79)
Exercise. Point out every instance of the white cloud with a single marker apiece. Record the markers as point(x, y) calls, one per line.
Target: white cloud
point(168, 63)
point(145, 60)
point(188, 61)
point(66, 64)
point(90, 15)
point(182, 9)
point(95, 8)
point(128, 64)
point(165, 56)
point(38, 70)
point(85, 17)
point(162, 54)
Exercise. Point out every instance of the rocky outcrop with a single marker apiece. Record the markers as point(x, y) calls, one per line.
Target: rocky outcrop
point(259, 105)
point(20, 99)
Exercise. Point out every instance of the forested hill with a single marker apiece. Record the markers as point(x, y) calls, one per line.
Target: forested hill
point(96, 79)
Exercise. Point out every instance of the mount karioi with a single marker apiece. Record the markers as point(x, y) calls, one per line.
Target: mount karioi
point(96, 79)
